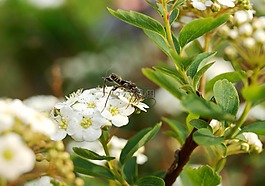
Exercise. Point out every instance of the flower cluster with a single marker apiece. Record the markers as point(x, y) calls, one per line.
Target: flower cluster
point(247, 40)
point(84, 113)
point(202, 8)
point(26, 150)
point(245, 142)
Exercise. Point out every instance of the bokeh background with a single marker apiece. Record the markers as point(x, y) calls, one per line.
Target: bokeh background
point(55, 47)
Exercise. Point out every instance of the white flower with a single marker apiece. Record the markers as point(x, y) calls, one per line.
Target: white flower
point(249, 42)
point(42, 181)
point(242, 16)
point(116, 111)
point(15, 157)
point(41, 103)
point(259, 23)
point(233, 34)
point(228, 3)
point(201, 4)
point(259, 36)
point(12, 110)
point(253, 140)
point(245, 29)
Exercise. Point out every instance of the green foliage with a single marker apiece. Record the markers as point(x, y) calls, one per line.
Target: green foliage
point(205, 109)
point(233, 77)
point(88, 154)
point(130, 170)
point(257, 127)
point(137, 141)
point(139, 20)
point(86, 167)
point(226, 96)
point(150, 181)
point(178, 131)
point(199, 74)
point(254, 93)
point(204, 136)
point(198, 124)
point(164, 81)
point(202, 176)
point(198, 27)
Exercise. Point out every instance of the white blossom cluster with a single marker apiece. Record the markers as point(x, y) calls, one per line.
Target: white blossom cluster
point(16, 157)
point(84, 113)
point(247, 37)
point(216, 5)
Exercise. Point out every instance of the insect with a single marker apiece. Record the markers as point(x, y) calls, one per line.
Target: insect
point(125, 85)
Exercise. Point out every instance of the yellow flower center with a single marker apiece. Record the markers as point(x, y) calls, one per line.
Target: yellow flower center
point(91, 105)
point(86, 122)
point(63, 124)
point(8, 154)
point(114, 111)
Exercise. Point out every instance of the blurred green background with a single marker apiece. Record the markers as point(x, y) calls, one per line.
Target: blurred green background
point(54, 47)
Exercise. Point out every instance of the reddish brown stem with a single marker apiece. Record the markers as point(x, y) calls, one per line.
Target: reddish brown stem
point(181, 159)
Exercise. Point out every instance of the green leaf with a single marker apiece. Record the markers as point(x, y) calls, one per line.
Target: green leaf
point(191, 71)
point(202, 176)
point(198, 75)
point(257, 127)
point(174, 16)
point(254, 92)
point(205, 137)
point(139, 20)
point(150, 181)
point(164, 81)
point(198, 27)
point(88, 154)
point(230, 76)
point(158, 40)
point(176, 43)
point(137, 141)
point(170, 72)
point(180, 132)
point(226, 96)
point(86, 167)
point(205, 109)
point(130, 170)
point(198, 124)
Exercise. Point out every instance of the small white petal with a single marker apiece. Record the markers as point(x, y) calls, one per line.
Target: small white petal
point(198, 5)
point(59, 135)
point(120, 120)
point(228, 3)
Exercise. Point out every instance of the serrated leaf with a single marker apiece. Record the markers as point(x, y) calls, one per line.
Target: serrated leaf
point(192, 69)
point(198, 27)
point(226, 96)
point(137, 141)
point(198, 124)
point(173, 16)
point(164, 81)
point(130, 170)
point(158, 40)
point(88, 154)
point(86, 167)
point(205, 109)
point(199, 74)
point(233, 77)
point(202, 176)
point(139, 20)
point(257, 127)
point(179, 131)
point(150, 181)
point(205, 137)
point(254, 92)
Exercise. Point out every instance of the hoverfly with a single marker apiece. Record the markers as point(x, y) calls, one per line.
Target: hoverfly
point(125, 85)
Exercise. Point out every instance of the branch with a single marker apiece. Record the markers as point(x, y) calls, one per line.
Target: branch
point(181, 158)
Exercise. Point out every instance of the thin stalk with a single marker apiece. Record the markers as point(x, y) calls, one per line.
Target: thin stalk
point(111, 166)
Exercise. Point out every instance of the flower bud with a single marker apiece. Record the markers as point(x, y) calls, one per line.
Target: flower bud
point(259, 36)
point(242, 16)
point(245, 29)
point(249, 42)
